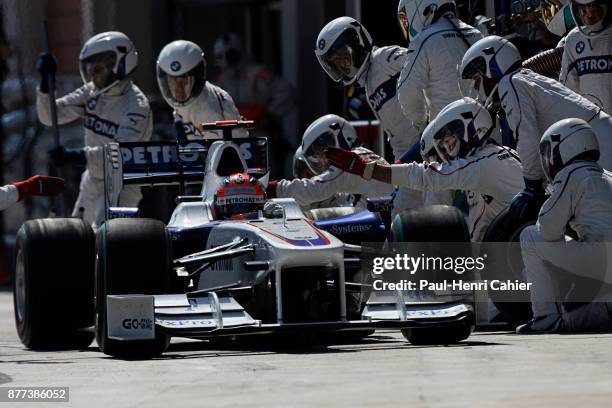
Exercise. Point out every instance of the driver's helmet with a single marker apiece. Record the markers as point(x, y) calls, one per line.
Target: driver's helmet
point(239, 196)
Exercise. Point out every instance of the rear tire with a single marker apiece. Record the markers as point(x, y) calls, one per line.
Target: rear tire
point(53, 286)
point(425, 224)
point(133, 257)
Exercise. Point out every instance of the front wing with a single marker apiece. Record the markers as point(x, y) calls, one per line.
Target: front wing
point(138, 317)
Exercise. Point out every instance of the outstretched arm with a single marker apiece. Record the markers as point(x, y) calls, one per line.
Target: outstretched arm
point(459, 174)
point(34, 186)
point(353, 163)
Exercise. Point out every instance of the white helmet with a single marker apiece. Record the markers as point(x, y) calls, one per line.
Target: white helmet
point(327, 131)
point(487, 61)
point(591, 16)
point(181, 72)
point(415, 15)
point(228, 50)
point(300, 168)
point(557, 15)
point(566, 141)
point(106, 59)
point(459, 128)
point(343, 49)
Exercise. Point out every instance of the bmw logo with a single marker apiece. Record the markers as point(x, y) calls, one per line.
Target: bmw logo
point(91, 103)
point(322, 44)
point(580, 47)
point(175, 66)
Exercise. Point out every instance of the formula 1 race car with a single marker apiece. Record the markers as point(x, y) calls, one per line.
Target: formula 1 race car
point(140, 282)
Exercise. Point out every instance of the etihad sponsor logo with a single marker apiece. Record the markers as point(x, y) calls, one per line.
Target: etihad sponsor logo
point(191, 129)
point(594, 65)
point(383, 93)
point(101, 126)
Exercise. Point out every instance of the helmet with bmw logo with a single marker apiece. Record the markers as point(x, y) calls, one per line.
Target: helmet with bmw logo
point(181, 72)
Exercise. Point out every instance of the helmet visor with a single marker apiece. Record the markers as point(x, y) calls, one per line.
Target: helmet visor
point(344, 58)
point(475, 68)
point(181, 89)
point(430, 155)
point(300, 169)
point(404, 24)
point(99, 69)
point(468, 88)
point(315, 159)
point(474, 83)
point(448, 140)
point(591, 18)
point(546, 158)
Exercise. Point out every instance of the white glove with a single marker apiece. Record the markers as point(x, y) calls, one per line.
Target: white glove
point(272, 210)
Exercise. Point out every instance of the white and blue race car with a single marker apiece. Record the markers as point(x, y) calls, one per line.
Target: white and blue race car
point(138, 282)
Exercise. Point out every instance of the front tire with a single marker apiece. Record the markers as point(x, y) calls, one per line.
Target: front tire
point(438, 335)
point(53, 286)
point(133, 257)
point(437, 223)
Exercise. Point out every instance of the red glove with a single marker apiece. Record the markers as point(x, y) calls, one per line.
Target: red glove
point(271, 189)
point(346, 160)
point(39, 186)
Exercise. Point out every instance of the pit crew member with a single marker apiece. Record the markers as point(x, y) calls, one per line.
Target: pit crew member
point(329, 130)
point(582, 200)
point(437, 42)
point(181, 77)
point(491, 174)
point(301, 171)
point(531, 103)
point(346, 53)
point(586, 67)
point(114, 110)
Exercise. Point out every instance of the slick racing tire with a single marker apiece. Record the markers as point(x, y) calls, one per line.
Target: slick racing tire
point(439, 335)
point(436, 223)
point(53, 285)
point(503, 229)
point(133, 257)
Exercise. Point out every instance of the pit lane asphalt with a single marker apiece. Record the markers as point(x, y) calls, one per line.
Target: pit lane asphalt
point(491, 369)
